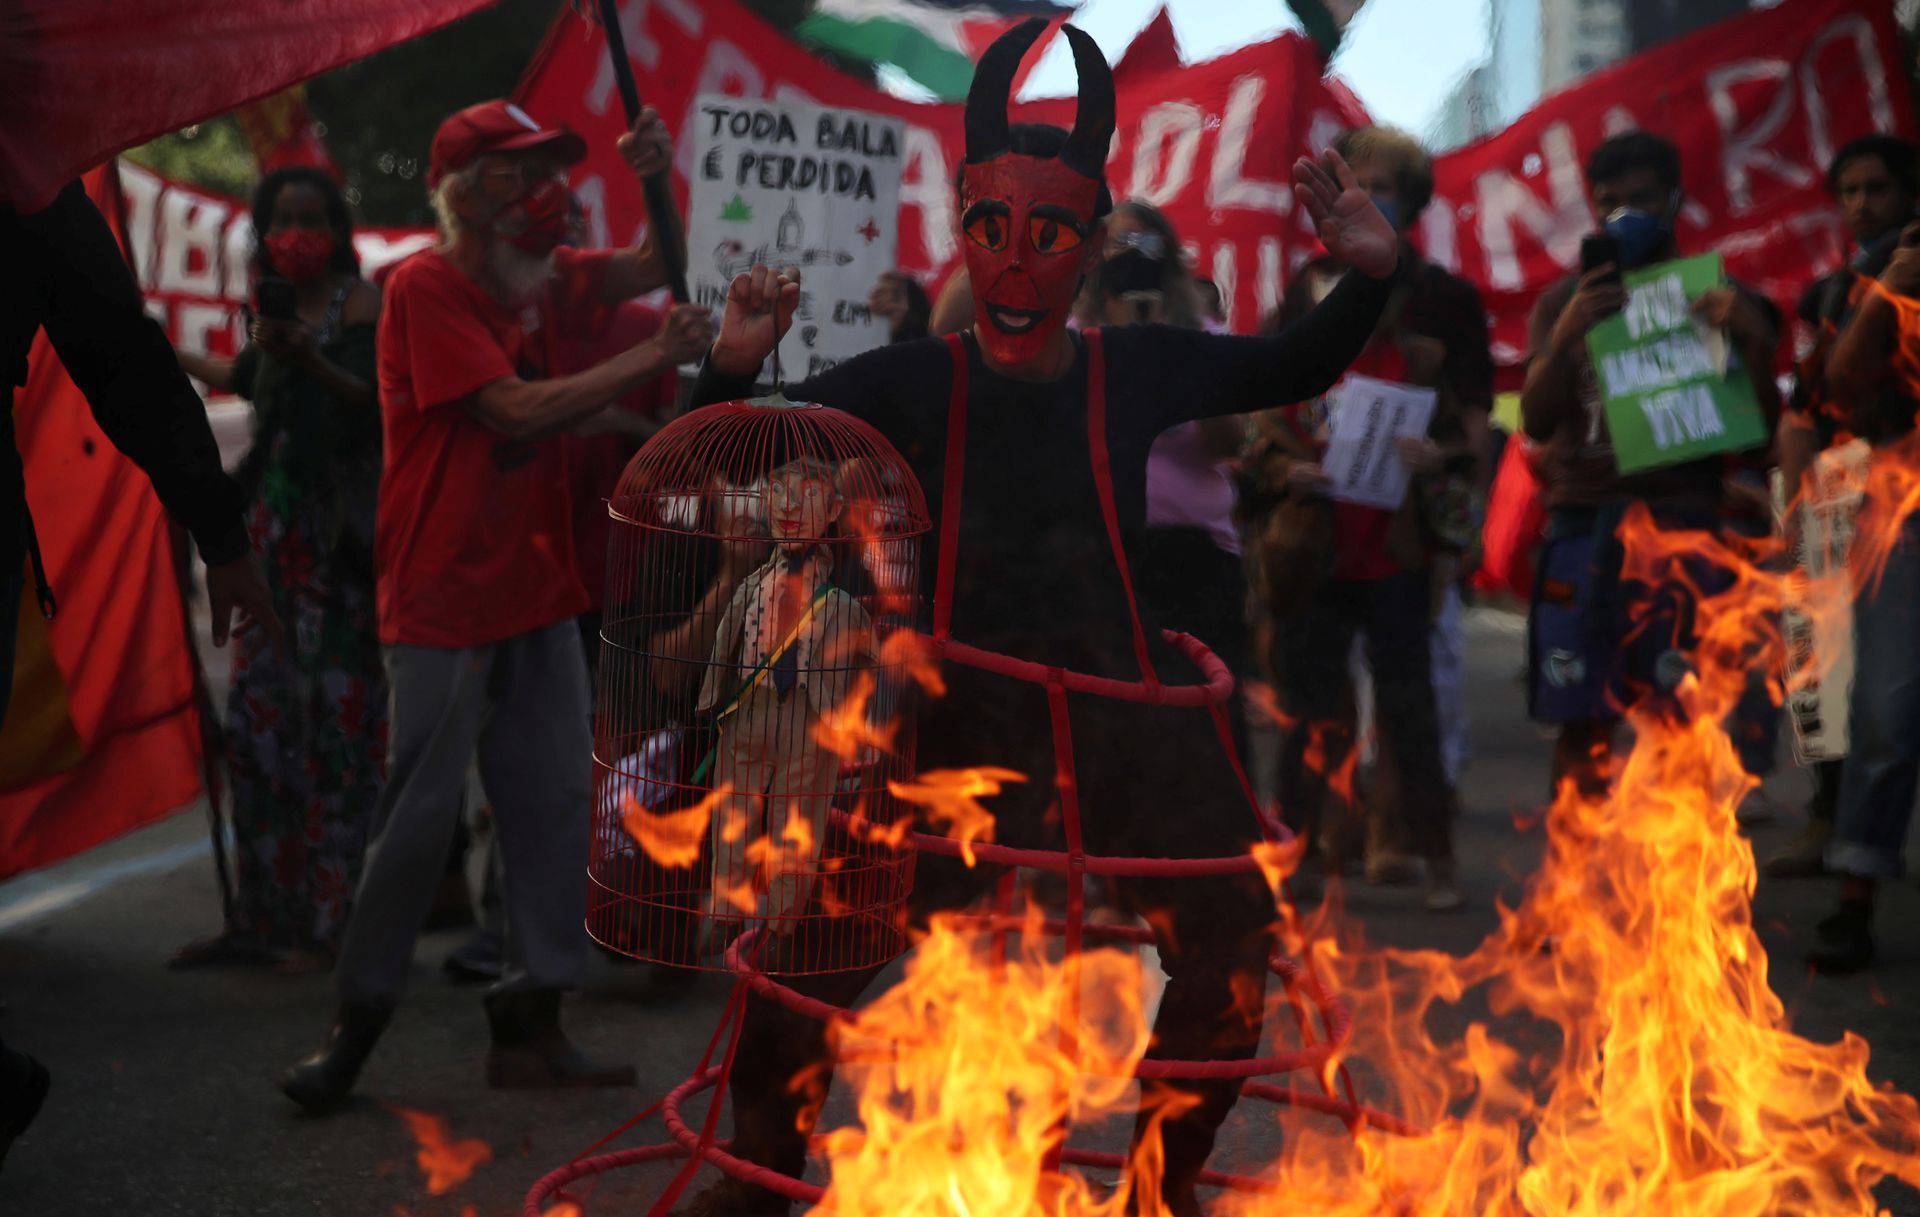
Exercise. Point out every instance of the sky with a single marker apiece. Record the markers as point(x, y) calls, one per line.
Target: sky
point(1401, 56)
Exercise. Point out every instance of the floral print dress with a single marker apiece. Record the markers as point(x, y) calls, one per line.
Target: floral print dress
point(307, 730)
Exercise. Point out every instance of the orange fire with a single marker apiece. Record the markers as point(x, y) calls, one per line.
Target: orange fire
point(671, 838)
point(445, 1162)
point(1635, 1060)
point(960, 1118)
point(950, 799)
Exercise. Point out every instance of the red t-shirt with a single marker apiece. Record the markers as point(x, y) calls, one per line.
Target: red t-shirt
point(474, 541)
point(595, 462)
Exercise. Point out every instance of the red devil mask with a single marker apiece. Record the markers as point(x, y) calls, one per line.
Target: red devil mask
point(1025, 220)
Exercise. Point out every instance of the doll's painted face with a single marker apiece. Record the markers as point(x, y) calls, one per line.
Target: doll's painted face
point(801, 505)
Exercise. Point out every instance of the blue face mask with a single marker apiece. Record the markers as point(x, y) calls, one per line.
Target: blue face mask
point(1389, 209)
point(1640, 235)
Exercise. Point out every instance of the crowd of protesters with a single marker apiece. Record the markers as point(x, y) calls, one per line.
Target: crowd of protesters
point(424, 494)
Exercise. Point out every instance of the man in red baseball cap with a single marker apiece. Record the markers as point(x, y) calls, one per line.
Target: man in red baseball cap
point(478, 588)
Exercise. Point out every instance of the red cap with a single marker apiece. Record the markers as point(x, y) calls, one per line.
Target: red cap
point(494, 126)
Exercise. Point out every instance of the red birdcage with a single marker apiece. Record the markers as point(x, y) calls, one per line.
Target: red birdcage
point(757, 671)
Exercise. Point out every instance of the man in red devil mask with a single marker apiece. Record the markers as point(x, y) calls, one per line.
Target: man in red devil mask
point(478, 590)
point(1029, 569)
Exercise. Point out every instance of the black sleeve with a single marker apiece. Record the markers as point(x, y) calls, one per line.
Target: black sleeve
point(1469, 360)
point(1199, 375)
point(121, 359)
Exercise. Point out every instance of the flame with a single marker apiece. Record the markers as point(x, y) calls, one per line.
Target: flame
point(1636, 1060)
point(963, 1115)
point(671, 838)
point(951, 799)
point(913, 654)
point(845, 729)
point(445, 1162)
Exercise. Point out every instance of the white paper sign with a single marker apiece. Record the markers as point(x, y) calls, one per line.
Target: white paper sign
point(788, 183)
point(1365, 418)
point(1817, 620)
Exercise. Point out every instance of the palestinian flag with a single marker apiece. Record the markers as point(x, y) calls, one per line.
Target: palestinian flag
point(933, 41)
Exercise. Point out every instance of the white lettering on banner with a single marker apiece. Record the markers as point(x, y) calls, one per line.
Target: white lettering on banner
point(141, 190)
point(1226, 184)
point(1682, 415)
point(1437, 235)
point(1267, 284)
point(190, 226)
point(1819, 137)
point(1176, 126)
point(1656, 306)
point(1504, 201)
point(1226, 276)
point(238, 257)
point(592, 192)
point(926, 186)
point(727, 69)
point(640, 46)
point(192, 323)
point(1743, 152)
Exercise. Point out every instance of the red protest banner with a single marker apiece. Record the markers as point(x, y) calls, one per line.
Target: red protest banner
point(1212, 144)
point(103, 734)
point(1757, 105)
point(191, 251)
point(80, 80)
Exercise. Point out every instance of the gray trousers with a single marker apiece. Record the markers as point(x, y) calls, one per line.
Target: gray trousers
point(523, 705)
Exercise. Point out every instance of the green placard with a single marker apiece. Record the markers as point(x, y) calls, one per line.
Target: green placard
point(1670, 387)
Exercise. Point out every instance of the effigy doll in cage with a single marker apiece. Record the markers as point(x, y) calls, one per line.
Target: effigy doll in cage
point(784, 656)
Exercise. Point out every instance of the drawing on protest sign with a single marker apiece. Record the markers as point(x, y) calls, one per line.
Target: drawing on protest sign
point(791, 184)
point(1366, 418)
point(1670, 390)
point(1816, 622)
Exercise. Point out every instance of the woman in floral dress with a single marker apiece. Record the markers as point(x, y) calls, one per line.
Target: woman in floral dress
point(306, 728)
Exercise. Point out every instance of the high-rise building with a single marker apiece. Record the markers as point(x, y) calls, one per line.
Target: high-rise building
point(1578, 37)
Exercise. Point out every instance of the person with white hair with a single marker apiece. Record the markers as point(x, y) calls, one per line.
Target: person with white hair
point(478, 589)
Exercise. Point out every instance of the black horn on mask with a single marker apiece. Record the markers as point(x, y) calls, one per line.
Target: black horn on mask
point(992, 90)
point(1086, 148)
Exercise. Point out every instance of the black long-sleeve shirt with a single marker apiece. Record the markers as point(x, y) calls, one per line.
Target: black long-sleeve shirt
point(65, 271)
point(1034, 576)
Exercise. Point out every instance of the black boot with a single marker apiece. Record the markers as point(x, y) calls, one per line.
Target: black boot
point(324, 1080)
point(23, 1088)
point(1846, 939)
point(530, 1052)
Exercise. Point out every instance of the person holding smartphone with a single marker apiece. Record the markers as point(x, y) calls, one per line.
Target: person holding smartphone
point(1597, 644)
point(305, 724)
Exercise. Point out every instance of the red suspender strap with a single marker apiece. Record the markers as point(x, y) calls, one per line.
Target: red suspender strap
point(1103, 481)
point(950, 487)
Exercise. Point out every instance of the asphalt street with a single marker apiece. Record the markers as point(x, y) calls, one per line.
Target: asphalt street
point(163, 1103)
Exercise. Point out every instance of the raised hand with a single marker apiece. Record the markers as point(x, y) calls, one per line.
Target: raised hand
point(685, 336)
point(1349, 225)
point(646, 146)
point(760, 306)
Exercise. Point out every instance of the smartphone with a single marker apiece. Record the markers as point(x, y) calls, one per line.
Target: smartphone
point(274, 299)
point(1598, 249)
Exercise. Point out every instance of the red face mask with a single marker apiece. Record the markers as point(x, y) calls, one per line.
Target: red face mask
point(299, 254)
point(1026, 221)
point(544, 211)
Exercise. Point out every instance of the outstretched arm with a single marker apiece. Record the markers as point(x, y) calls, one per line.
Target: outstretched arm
point(1229, 375)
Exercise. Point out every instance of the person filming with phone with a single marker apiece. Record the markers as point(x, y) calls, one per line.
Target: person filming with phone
point(306, 725)
point(1598, 644)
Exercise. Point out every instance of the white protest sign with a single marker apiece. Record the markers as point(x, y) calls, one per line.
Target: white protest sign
point(789, 183)
point(1816, 621)
point(1366, 418)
